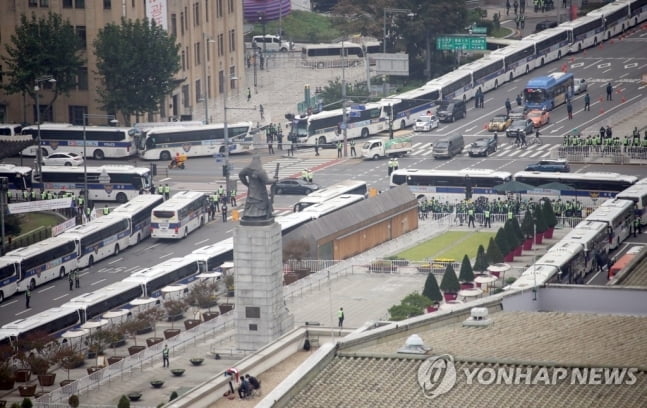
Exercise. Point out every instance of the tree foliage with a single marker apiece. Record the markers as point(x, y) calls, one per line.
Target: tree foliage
point(528, 225)
point(540, 219)
point(510, 234)
point(39, 47)
point(449, 283)
point(466, 274)
point(136, 63)
point(481, 263)
point(124, 402)
point(502, 241)
point(549, 214)
point(431, 289)
point(493, 254)
point(412, 305)
point(516, 228)
point(331, 94)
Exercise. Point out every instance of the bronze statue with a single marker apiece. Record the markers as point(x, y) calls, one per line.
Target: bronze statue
point(258, 206)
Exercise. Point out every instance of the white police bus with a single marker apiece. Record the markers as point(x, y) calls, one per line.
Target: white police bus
point(180, 215)
point(138, 212)
point(99, 239)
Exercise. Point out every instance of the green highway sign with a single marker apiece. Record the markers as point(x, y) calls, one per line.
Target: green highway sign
point(461, 42)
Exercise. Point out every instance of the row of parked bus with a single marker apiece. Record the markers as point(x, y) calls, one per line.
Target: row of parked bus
point(485, 74)
point(148, 284)
point(586, 247)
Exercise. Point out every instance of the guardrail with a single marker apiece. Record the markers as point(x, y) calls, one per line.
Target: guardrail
point(602, 154)
point(137, 361)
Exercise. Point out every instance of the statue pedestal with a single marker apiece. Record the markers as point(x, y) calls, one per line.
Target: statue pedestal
point(261, 314)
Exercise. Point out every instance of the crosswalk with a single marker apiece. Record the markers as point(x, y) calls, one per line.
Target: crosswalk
point(505, 149)
point(288, 166)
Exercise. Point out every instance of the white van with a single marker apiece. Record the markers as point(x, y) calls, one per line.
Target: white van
point(270, 42)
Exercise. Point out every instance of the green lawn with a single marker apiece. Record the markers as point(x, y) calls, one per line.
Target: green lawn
point(31, 221)
point(452, 244)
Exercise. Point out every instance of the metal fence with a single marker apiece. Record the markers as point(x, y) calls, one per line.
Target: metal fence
point(135, 362)
point(601, 154)
point(497, 220)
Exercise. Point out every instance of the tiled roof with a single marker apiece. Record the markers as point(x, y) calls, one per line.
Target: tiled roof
point(565, 338)
point(374, 382)
point(638, 276)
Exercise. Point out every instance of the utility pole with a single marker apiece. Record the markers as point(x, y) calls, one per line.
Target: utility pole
point(4, 187)
point(343, 98)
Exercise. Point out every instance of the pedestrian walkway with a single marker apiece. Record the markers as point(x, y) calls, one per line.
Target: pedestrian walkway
point(505, 149)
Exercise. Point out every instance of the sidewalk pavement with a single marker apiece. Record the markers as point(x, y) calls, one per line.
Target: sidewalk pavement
point(364, 297)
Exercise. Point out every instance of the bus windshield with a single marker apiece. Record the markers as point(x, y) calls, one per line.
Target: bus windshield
point(534, 95)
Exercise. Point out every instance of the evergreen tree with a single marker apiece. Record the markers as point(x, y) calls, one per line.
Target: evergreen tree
point(124, 402)
point(540, 220)
point(136, 63)
point(449, 283)
point(481, 263)
point(466, 274)
point(431, 289)
point(502, 241)
point(510, 235)
point(549, 214)
point(517, 230)
point(528, 225)
point(494, 254)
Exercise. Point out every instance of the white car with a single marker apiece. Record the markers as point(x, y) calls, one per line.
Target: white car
point(579, 86)
point(425, 123)
point(62, 159)
point(270, 43)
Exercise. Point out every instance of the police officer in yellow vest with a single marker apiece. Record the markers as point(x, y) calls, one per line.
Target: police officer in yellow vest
point(106, 210)
point(470, 217)
point(487, 221)
point(167, 192)
point(160, 190)
point(304, 175)
point(310, 176)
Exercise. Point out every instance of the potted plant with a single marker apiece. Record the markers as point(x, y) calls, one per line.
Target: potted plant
point(466, 275)
point(69, 358)
point(7, 378)
point(157, 383)
point(230, 285)
point(28, 390)
point(493, 253)
point(481, 263)
point(131, 328)
point(540, 225)
point(516, 230)
point(504, 245)
point(528, 229)
point(196, 361)
point(550, 218)
point(134, 396)
point(177, 371)
point(174, 310)
point(123, 402)
point(203, 296)
point(73, 401)
point(432, 292)
point(449, 284)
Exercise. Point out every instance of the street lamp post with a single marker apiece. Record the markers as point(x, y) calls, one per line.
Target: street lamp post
point(39, 152)
point(389, 10)
point(113, 121)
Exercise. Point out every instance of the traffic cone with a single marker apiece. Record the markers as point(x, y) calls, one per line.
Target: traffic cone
point(572, 59)
point(623, 100)
point(601, 111)
point(485, 126)
point(600, 100)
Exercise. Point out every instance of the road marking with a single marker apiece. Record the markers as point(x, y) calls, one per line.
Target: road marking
point(10, 303)
point(46, 289)
point(166, 255)
point(627, 60)
point(556, 130)
point(606, 70)
point(61, 297)
point(589, 66)
point(577, 65)
point(200, 242)
point(103, 269)
point(97, 282)
point(470, 129)
point(115, 261)
point(514, 153)
point(152, 246)
point(624, 75)
point(19, 313)
point(165, 179)
point(593, 277)
point(632, 65)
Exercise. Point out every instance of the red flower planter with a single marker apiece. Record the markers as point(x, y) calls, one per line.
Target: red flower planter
point(450, 296)
point(509, 257)
point(518, 250)
point(548, 234)
point(527, 244)
point(467, 285)
point(539, 238)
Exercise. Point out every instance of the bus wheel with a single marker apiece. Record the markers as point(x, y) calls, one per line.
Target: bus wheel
point(1, 296)
point(403, 124)
point(511, 77)
point(116, 250)
point(61, 273)
point(559, 55)
point(91, 261)
point(165, 155)
point(139, 238)
point(496, 84)
point(364, 133)
point(186, 233)
point(527, 69)
point(98, 155)
point(201, 221)
point(322, 140)
point(122, 198)
point(32, 285)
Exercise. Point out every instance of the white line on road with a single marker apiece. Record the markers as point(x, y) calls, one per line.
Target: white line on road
point(556, 130)
point(166, 255)
point(624, 75)
point(115, 261)
point(152, 246)
point(61, 297)
point(132, 269)
point(10, 303)
point(200, 242)
point(97, 282)
point(230, 230)
point(470, 129)
point(606, 70)
point(19, 313)
point(537, 153)
point(46, 289)
point(627, 60)
point(595, 63)
point(593, 277)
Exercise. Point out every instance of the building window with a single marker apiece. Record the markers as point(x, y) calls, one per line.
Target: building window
point(185, 96)
point(80, 4)
point(186, 17)
point(232, 40)
point(231, 6)
point(252, 312)
point(206, 10)
point(183, 61)
point(188, 57)
point(221, 81)
point(82, 79)
point(208, 87)
point(219, 8)
point(174, 25)
point(196, 46)
point(232, 75)
point(182, 23)
point(67, 3)
point(107, 4)
point(198, 91)
point(75, 114)
point(81, 33)
point(221, 45)
point(44, 3)
point(33, 3)
point(196, 14)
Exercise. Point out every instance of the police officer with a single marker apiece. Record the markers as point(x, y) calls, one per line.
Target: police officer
point(304, 175)
point(339, 146)
point(224, 211)
point(106, 210)
point(353, 153)
point(77, 279)
point(232, 197)
point(310, 176)
point(167, 191)
point(70, 279)
point(396, 164)
point(27, 297)
point(390, 168)
point(470, 217)
point(587, 102)
point(486, 215)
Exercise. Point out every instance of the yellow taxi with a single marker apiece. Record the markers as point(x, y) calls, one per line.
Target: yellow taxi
point(499, 123)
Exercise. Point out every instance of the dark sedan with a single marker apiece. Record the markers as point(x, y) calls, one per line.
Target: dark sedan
point(560, 166)
point(520, 127)
point(482, 147)
point(294, 186)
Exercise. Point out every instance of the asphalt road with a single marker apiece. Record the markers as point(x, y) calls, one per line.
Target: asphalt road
point(622, 63)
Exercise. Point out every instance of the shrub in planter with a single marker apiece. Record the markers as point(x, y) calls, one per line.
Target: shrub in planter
point(175, 310)
point(123, 402)
point(132, 350)
point(178, 372)
point(73, 401)
point(26, 403)
point(168, 333)
point(431, 289)
point(151, 341)
point(196, 361)
point(134, 396)
point(225, 307)
point(7, 378)
point(493, 253)
point(22, 374)
point(157, 383)
point(206, 316)
point(173, 396)
point(191, 323)
point(481, 263)
point(114, 359)
point(466, 274)
point(449, 283)
point(27, 390)
point(93, 369)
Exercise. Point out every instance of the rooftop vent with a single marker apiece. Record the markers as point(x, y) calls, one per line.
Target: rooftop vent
point(479, 317)
point(414, 345)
